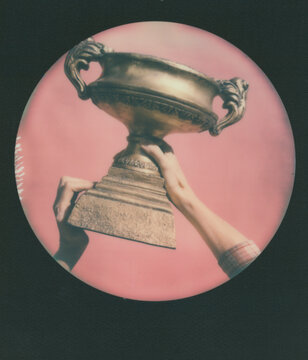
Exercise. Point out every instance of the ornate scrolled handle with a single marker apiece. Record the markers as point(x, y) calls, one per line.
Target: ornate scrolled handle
point(234, 94)
point(79, 58)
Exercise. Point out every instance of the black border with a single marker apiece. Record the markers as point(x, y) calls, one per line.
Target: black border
point(45, 312)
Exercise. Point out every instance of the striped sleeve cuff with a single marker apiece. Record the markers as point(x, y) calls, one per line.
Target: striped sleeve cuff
point(236, 259)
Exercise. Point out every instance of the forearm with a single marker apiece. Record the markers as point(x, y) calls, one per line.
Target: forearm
point(73, 240)
point(232, 249)
point(217, 233)
point(69, 254)
point(72, 244)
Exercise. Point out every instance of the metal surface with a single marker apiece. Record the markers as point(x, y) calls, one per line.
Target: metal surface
point(152, 97)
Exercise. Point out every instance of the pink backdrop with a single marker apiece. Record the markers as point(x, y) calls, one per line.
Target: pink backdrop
point(245, 174)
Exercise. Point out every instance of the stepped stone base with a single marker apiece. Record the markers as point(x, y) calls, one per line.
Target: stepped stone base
point(129, 204)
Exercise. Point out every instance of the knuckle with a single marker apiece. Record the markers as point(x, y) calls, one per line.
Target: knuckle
point(65, 182)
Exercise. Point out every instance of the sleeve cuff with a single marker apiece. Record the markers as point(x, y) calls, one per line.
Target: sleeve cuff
point(236, 259)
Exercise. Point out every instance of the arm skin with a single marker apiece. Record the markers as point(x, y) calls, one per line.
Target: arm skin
point(217, 233)
point(226, 243)
point(232, 249)
point(73, 241)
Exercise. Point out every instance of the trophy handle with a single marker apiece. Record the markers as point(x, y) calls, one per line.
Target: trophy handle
point(79, 58)
point(234, 93)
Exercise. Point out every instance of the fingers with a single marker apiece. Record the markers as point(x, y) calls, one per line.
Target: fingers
point(155, 152)
point(76, 184)
point(166, 148)
point(68, 190)
point(165, 160)
point(167, 163)
point(176, 184)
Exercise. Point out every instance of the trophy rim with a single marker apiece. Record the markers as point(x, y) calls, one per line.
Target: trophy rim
point(169, 63)
point(200, 117)
point(137, 91)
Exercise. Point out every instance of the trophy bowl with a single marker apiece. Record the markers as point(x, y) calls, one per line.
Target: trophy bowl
point(152, 97)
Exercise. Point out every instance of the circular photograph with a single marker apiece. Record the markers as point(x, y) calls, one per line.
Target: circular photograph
point(154, 161)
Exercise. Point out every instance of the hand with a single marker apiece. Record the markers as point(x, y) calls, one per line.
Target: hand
point(73, 240)
point(178, 189)
point(217, 234)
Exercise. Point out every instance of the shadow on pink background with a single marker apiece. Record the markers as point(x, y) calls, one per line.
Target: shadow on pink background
point(245, 174)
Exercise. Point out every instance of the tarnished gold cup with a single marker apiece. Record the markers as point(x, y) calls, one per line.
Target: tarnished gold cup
point(152, 97)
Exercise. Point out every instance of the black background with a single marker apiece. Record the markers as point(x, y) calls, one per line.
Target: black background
point(48, 314)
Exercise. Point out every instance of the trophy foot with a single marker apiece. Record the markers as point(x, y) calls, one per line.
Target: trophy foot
point(128, 203)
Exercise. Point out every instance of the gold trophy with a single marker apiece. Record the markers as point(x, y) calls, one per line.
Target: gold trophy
point(152, 97)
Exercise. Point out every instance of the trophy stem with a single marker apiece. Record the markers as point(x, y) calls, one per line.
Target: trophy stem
point(134, 158)
point(130, 201)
